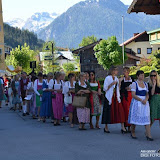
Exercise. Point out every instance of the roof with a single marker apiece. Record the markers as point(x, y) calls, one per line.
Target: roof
point(133, 57)
point(86, 47)
point(133, 38)
point(153, 31)
point(151, 7)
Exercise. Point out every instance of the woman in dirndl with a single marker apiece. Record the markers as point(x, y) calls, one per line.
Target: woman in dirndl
point(46, 98)
point(16, 92)
point(126, 94)
point(83, 88)
point(38, 91)
point(95, 99)
point(113, 111)
point(57, 98)
point(1, 92)
point(69, 93)
point(154, 93)
point(139, 113)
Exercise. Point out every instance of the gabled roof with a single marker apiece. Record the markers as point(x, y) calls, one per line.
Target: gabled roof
point(86, 47)
point(133, 38)
point(151, 7)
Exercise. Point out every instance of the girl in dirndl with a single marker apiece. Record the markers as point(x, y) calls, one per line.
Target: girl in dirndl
point(46, 98)
point(38, 91)
point(70, 92)
point(139, 113)
point(113, 111)
point(154, 93)
point(57, 99)
point(95, 99)
point(126, 94)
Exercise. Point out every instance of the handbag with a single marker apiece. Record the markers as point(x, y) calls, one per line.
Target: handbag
point(68, 99)
point(79, 101)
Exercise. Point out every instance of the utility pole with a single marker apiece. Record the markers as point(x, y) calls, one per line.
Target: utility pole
point(123, 38)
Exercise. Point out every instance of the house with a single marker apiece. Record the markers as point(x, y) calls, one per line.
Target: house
point(61, 57)
point(154, 37)
point(151, 7)
point(2, 52)
point(140, 44)
point(7, 50)
point(88, 61)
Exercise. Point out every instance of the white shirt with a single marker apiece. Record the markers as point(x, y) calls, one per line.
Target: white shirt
point(84, 86)
point(109, 93)
point(67, 86)
point(30, 85)
point(35, 86)
point(52, 82)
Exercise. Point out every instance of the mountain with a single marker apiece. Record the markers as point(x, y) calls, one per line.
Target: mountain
point(101, 18)
point(15, 36)
point(35, 23)
point(17, 22)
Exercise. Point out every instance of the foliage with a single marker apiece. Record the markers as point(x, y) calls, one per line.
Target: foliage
point(156, 56)
point(146, 65)
point(68, 67)
point(15, 36)
point(21, 56)
point(88, 40)
point(109, 53)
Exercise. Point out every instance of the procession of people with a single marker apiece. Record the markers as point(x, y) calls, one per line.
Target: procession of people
point(126, 101)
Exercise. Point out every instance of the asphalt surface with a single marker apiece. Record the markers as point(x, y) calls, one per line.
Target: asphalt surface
point(22, 138)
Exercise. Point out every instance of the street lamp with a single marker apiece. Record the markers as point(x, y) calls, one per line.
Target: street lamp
point(47, 48)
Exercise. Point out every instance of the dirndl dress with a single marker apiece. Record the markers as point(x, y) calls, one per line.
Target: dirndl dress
point(139, 114)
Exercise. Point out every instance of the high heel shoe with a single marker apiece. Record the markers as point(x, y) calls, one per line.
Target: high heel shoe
point(123, 132)
point(133, 136)
point(106, 131)
point(149, 139)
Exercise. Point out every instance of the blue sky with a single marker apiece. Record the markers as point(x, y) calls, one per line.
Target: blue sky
point(25, 8)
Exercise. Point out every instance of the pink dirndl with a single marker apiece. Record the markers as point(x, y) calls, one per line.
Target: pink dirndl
point(57, 105)
point(83, 115)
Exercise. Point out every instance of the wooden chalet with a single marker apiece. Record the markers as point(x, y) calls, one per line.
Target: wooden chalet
point(151, 7)
point(88, 61)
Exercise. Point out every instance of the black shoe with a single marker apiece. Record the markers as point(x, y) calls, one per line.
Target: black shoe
point(123, 132)
point(106, 131)
point(27, 113)
point(55, 124)
point(44, 120)
point(133, 137)
point(23, 114)
point(149, 139)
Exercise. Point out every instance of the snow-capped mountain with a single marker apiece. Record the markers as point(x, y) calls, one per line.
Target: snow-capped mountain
point(35, 23)
point(17, 22)
point(38, 21)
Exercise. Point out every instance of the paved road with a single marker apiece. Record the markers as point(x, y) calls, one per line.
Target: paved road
point(26, 139)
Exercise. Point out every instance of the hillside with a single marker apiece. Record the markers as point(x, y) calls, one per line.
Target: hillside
point(101, 18)
point(15, 36)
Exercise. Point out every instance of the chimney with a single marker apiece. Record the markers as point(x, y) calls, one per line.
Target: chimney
point(135, 34)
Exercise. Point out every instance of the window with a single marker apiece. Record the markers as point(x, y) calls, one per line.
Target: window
point(158, 48)
point(149, 50)
point(0, 51)
point(139, 50)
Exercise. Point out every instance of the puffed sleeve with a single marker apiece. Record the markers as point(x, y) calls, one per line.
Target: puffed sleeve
point(133, 87)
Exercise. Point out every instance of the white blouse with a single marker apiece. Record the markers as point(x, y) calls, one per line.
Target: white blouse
point(109, 93)
point(84, 86)
point(35, 86)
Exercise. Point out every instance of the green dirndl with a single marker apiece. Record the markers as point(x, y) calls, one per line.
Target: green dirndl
point(155, 107)
point(38, 102)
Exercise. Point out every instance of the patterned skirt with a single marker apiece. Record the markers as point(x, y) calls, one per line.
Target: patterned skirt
point(96, 105)
point(83, 115)
point(139, 114)
point(155, 107)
